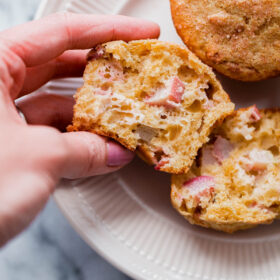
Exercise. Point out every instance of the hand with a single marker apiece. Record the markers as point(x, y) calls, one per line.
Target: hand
point(34, 157)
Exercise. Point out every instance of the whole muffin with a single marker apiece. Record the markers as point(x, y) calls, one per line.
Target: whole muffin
point(240, 39)
point(235, 182)
point(153, 97)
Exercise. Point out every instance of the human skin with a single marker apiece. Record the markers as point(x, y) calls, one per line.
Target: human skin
point(36, 155)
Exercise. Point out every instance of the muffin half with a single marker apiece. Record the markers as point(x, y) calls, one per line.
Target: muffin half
point(235, 181)
point(153, 97)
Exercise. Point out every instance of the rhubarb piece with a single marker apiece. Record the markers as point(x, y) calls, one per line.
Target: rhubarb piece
point(96, 53)
point(222, 149)
point(255, 115)
point(207, 157)
point(257, 160)
point(200, 186)
point(112, 72)
point(169, 95)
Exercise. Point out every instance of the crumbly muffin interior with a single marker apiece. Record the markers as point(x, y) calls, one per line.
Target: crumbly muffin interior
point(151, 97)
point(235, 179)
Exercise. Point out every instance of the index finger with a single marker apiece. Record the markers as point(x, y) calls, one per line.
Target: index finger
point(39, 41)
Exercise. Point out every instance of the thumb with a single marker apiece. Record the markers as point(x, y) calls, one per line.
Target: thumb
point(89, 154)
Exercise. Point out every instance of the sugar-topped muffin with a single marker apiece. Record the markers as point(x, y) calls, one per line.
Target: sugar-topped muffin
point(240, 39)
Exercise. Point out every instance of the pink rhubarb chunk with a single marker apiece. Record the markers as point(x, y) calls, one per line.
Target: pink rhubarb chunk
point(161, 163)
point(169, 95)
point(96, 53)
point(200, 186)
point(112, 72)
point(257, 160)
point(177, 90)
point(255, 115)
point(207, 157)
point(222, 148)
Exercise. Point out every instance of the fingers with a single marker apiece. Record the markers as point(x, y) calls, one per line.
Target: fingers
point(69, 64)
point(20, 203)
point(47, 109)
point(89, 154)
point(39, 41)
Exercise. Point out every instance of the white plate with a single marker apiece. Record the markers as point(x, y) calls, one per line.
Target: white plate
point(127, 216)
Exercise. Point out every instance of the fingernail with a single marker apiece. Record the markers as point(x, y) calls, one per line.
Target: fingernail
point(117, 155)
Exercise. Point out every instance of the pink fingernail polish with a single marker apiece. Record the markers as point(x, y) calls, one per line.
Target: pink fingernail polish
point(117, 155)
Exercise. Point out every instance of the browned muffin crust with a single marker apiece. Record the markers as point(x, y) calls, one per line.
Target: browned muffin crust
point(240, 39)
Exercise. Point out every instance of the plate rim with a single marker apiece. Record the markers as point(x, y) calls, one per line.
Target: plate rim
point(139, 272)
point(105, 255)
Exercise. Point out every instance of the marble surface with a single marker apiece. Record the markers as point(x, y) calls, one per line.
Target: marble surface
point(49, 248)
